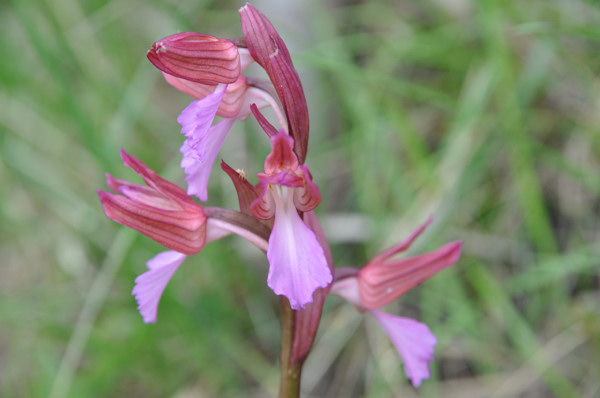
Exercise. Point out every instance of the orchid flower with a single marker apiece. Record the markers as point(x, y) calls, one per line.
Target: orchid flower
point(208, 69)
point(297, 264)
point(164, 212)
point(383, 280)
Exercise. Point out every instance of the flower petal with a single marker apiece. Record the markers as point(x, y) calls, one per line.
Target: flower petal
point(203, 144)
point(150, 285)
point(282, 156)
point(347, 287)
point(247, 193)
point(306, 321)
point(402, 246)
point(162, 210)
point(297, 263)
point(153, 180)
point(263, 207)
point(413, 340)
point(381, 283)
point(232, 102)
point(196, 119)
point(184, 231)
point(199, 157)
point(309, 197)
point(142, 194)
point(269, 50)
point(196, 57)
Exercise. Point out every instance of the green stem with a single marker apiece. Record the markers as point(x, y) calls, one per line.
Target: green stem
point(289, 386)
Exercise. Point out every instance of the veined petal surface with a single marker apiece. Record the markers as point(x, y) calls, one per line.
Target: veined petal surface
point(297, 262)
point(200, 155)
point(203, 142)
point(197, 117)
point(413, 340)
point(150, 285)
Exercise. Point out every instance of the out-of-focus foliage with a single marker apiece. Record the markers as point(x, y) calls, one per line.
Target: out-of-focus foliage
point(482, 113)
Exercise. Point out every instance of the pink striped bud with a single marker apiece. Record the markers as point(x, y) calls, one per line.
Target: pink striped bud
point(199, 58)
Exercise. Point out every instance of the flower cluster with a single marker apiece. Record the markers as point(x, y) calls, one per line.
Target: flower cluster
point(277, 213)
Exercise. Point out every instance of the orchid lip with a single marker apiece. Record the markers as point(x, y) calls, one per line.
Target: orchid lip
point(297, 263)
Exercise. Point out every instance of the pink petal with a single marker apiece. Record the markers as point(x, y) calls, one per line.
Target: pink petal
point(153, 180)
point(142, 194)
point(269, 50)
point(263, 206)
point(312, 222)
point(413, 340)
point(347, 287)
point(233, 100)
point(204, 141)
point(247, 193)
point(196, 119)
point(200, 58)
point(245, 58)
point(405, 244)
point(306, 321)
point(150, 285)
point(309, 197)
point(297, 263)
point(193, 89)
point(383, 282)
point(262, 120)
point(183, 231)
point(282, 156)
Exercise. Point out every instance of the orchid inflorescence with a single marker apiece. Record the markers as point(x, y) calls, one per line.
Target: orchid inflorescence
point(277, 214)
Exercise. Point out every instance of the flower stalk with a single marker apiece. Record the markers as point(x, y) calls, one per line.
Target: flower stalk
point(290, 371)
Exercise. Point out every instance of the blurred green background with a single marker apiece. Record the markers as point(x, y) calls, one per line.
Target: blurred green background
point(485, 114)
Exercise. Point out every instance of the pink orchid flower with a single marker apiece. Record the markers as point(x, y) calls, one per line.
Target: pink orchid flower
point(297, 264)
point(164, 212)
point(209, 69)
point(385, 279)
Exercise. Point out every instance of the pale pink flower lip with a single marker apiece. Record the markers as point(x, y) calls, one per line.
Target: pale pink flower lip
point(150, 285)
point(413, 340)
point(297, 262)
